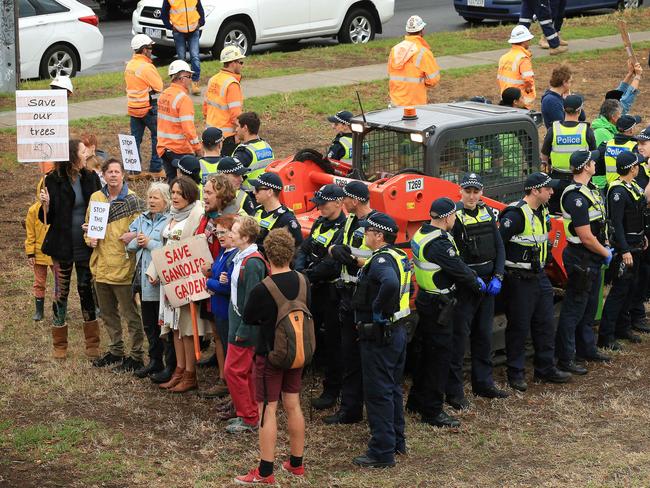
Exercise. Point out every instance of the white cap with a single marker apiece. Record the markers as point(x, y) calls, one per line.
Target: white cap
point(178, 66)
point(415, 24)
point(62, 81)
point(231, 53)
point(520, 34)
point(140, 40)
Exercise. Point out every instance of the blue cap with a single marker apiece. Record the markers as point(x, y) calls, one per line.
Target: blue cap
point(627, 122)
point(580, 158)
point(442, 207)
point(539, 180)
point(471, 180)
point(357, 190)
point(625, 160)
point(573, 102)
point(341, 117)
point(644, 135)
point(212, 136)
point(269, 180)
point(230, 165)
point(380, 221)
point(189, 165)
point(328, 193)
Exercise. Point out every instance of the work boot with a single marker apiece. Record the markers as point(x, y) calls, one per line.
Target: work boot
point(543, 43)
point(38, 312)
point(217, 391)
point(187, 383)
point(174, 380)
point(563, 42)
point(169, 356)
point(59, 342)
point(91, 333)
point(129, 365)
point(108, 359)
point(196, 88)
point(629, 336)
point(641, 325)
point(325, 401)
point(154, 366)
point(558, 50)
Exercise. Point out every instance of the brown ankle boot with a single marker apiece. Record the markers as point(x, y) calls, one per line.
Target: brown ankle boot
point(188, 383)
point(59, 342)
point(91, 332)
point(175, 379)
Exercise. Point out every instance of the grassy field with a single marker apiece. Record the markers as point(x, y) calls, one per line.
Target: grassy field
point(105, 85)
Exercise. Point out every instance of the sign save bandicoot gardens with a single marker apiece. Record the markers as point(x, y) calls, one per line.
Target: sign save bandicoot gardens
point(42, 125)
point(178, 265)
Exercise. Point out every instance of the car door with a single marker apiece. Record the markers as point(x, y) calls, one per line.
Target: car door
point(282, 18)
point(326, 15)
point(32, 37)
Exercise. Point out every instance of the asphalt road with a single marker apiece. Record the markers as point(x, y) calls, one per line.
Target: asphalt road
point(438, 14)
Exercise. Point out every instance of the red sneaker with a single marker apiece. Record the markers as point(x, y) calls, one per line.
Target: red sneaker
point(299, 471)
point(253, 478)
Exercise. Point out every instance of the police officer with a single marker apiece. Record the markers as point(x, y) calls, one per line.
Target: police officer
point(438, 269)
point(313, 260)
point(341, 147)
point(212, 139)
point(254, 153)
point(350, 251)
point(270, 213)
point(235, 171)
point(626, 205)
point(381, 302)
point(624, 140)
point(524, 227)
point(481, 248)
point(189, 166)
point(583, 212)
point(563, 139)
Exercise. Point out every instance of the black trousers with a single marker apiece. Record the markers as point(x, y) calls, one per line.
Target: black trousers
point(614, 321)
point(152, 329)
point(324, 303)
point(352, 384)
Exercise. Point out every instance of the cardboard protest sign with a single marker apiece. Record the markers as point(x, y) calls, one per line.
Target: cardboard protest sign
point(178, 265)
point(98, 219)
point(130, 155)
point(42, 125)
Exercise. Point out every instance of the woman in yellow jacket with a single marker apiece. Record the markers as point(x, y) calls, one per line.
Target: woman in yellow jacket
point(113, 268)
point(39, 262)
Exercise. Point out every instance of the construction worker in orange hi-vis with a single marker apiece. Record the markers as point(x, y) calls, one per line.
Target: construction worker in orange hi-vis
point(412, 67)
point(224, 99)
point(176, 131)
point(515, 66)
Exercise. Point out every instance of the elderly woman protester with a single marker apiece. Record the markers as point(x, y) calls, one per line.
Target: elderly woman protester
point(148, 229)
point(184, 218)
point(64, 200)
point(113, 268)
point(249, 268)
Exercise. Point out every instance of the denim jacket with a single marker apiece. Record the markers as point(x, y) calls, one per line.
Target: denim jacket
point(152, 228)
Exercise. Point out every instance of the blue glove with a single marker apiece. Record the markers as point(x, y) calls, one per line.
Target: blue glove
point(494, 287)
point(378, 318)
point(608, 259)
point(481, 284)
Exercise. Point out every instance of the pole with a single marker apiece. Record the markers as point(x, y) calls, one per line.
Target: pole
point(195, 331)
point(9, 70)
point(625, 36)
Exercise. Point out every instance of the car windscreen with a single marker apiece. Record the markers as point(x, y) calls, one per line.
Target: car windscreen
point(386, 152)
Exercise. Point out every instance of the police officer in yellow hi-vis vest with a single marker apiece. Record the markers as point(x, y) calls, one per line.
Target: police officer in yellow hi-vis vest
point(270, 213)
point(438, 269)
point(351, 252)
point(624, 140)
point(626, 204)
point(341, 147)
point(527, 291)
point(314, 261)
point(253, 152)
point(583, 212)
point(381, 303)
point(563, 139)
point(212, 139)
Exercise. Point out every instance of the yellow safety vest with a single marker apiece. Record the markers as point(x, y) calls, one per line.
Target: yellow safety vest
point(566, 141)
point(532, 241)
point(596, 211)
point(346, 142)
point(262, 155)
point(358, 251)
point(425, 271)
point(611, 151)
point(402, 261)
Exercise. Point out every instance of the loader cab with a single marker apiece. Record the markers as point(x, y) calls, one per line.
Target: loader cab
point(447, 140)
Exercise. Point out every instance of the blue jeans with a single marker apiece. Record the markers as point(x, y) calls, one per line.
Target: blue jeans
point(138, 125)
point(181, 41)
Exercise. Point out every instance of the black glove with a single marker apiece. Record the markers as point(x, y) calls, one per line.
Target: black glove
point(343, 254)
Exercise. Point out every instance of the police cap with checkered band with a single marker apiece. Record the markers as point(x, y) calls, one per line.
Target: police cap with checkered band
point(380, 221)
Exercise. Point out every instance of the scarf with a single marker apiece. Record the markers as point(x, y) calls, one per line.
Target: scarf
point(182, 214)
point(234, 281)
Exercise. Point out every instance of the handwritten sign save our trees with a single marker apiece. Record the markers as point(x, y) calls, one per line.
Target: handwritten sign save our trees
point(42, 125)
point(178, 265)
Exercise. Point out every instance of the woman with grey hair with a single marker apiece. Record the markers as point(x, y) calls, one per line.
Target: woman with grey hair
point(147, 228)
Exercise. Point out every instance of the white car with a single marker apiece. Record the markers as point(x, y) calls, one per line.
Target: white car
point(247, 22)
point(57, 36)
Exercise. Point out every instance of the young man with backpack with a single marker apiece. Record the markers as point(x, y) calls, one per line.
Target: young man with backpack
point(280, 306)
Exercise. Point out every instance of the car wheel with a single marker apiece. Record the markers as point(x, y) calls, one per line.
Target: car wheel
point(59, 59)
point(233, 34)
point(472, 21)
point(628, 4)
point(358, 27)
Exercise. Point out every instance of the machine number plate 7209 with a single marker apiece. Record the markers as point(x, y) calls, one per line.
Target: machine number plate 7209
point(415, 185)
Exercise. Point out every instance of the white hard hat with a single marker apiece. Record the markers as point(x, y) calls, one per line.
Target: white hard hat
point(415, 24)
point(62, 81)
point(178, 66)
point(231, 53)
point(520, 34)
point(140, 40)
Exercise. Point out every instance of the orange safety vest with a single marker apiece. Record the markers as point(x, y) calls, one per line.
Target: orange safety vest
point(411, 69)
point(223, 102)
point(142, 78)
point(516, 69)
point(176, 130)
point(184, 15)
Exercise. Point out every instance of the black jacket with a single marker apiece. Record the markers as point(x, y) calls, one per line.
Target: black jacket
point(58, 240)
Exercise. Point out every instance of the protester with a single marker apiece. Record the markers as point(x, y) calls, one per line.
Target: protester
point(512, 97)
point(262, 308)
point(94, 157)
point(553, 98)
point(148, 228)
point(248, 270)
point(65, 198)
point(604, 126)
point(113, 268)
point(184, 218)
point(628, 88)
point(39, 262)
point(227, 196)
